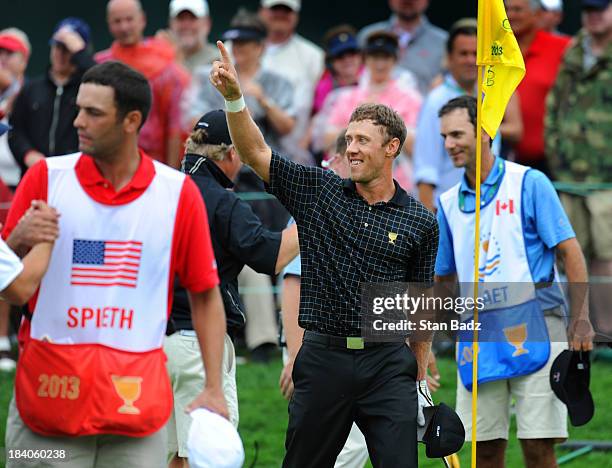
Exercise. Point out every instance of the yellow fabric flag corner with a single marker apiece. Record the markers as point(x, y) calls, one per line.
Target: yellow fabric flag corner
point(499, 53)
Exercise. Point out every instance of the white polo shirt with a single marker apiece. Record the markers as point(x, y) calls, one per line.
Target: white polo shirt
point(10, 266)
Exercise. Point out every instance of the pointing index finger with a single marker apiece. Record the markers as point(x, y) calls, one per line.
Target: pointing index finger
point(224, 54)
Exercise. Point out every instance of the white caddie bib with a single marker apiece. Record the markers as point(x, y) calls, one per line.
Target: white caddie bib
point(514, 340)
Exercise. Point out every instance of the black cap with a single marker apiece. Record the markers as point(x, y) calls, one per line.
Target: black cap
point(595, 4)
point(382, 41)
point(570, 376)
point(215, 125)
point(244, 33)
point(342, 43)
point(443, 433)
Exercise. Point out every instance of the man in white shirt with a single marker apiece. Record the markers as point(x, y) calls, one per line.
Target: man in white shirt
point(296, 59)
point(189, 25)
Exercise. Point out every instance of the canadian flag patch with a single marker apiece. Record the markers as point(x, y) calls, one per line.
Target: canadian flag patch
point(504, 207)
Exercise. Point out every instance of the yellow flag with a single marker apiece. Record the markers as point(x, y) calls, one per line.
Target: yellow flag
point(499, 52)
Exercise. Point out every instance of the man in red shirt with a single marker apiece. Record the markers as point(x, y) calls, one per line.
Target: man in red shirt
point(91, 345)
point(155, 59)
point(543, 53)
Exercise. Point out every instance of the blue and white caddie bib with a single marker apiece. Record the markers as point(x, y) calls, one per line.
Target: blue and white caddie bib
point(513, 339)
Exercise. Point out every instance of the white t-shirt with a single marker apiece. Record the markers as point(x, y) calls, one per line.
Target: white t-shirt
point(302, 63)
point(10, 265)
point(299, 61)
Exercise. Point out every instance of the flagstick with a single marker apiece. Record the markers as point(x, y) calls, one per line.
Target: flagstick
point(476, 263)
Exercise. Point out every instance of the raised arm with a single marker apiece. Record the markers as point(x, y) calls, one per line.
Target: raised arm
point(246, 137)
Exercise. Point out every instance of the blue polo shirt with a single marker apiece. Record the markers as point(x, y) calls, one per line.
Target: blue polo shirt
point(294, 267)
point(544, 221)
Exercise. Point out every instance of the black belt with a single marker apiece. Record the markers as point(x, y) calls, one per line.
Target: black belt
point(343, 342)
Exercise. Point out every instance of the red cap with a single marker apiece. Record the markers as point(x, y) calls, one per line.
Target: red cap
point(14, 44)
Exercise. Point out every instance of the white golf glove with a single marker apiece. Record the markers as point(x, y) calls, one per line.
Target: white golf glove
point(424, 399)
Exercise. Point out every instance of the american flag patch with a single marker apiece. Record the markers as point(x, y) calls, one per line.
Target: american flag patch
point(105, 263)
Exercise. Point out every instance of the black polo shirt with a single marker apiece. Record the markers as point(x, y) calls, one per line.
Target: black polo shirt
point(238, 239)
point(345, 242)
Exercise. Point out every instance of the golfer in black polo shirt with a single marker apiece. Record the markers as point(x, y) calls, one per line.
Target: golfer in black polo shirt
point(345, 242)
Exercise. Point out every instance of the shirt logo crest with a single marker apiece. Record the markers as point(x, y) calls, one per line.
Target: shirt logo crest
point(392, 237)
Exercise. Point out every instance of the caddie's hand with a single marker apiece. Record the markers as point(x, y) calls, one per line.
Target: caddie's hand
point(580, 335)
point(223, 75)
point(433, 374)
point(424, 399)
point(212, 399)
point(286, 382)
point(38, 224)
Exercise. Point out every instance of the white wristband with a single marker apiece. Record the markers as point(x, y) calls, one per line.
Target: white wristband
point(235, 106)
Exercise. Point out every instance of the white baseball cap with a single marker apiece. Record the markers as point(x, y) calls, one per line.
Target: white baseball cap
point(295, 5)
point(552, 5)
point(213, 442)
point(199, 8)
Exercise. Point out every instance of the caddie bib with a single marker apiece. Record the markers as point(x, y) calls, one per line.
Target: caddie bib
point(93, 362)
point(513, 339)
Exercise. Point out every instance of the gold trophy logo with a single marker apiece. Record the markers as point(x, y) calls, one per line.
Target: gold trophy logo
point(392, 237)
point(128, 388)
point(516, 336)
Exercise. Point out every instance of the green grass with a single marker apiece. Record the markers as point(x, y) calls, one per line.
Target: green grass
point(263, 415)
point(6, 391)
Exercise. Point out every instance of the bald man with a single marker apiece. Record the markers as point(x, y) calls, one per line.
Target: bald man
point(126, 21)
point(160, 136)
